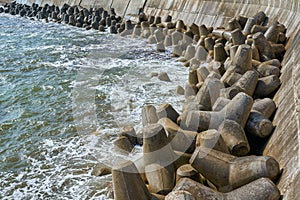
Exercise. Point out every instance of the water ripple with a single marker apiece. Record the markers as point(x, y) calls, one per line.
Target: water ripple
point(44, 154)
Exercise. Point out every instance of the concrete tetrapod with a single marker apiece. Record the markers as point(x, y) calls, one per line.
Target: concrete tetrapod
point(152, 28)
point(230, 76)
point(218, 69)
point(209, 43)
point(274, 62)
point(187, 171)
point(228, 172)
point(234, 24)
point(166, 110)
point(163, 76)
point(198, 190)
point(179, 25)
point(211, 139)
point(168, 25)
point(282, 38)
point(180, 195)
point(272, 33)
point(214, 74)
point(194, 29)
point(136, 31)
point(209, 93)
point(220, 103)
point(258, 28)
point(157, 196)
point(168, 41)
point(193, 77)
point(260, 189)
point(151, 19)
point(202, 73)
point(265, 106)
point(129, 132)
point(99, 19)
point(151, 39)
point(230, 92)
point(220, 54)
point(182, 159)
point(264, 189)
point(156, 147)
point(187, 37)
point(177, 50)
point(180, 140)
point(243, 59)
point(149, 115)
point(266, 85)
point(145, 30)
point(238, 37)
point(237, 110)
point(160, 47)
point(101, 28)
point(259, 17)
point(127, 182)
point(255, 54)
point(256, 63)
point(179, 90)
point(247, 83)
point(248, 26)
point(221, 34)
point(190, 91)
point(234, 137)
point(201, 41)
point(190, 52)
point(203, 30)
point(279, 50)
point(264, 47)
point(123, 145)
point(259, 125)
point(232, 51)
point(267, 70)
point(176, 37)
point(159, 36)
point(161, 179)
point(157, 20)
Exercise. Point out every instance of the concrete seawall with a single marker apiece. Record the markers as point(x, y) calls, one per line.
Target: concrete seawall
point(4, 1)
point(284, 143)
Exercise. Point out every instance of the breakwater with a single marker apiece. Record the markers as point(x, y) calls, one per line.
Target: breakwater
point(282, 146)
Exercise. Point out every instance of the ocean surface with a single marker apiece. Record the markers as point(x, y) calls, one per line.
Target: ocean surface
point(64, 95)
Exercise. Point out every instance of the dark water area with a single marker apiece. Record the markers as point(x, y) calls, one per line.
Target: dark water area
point(64, 95)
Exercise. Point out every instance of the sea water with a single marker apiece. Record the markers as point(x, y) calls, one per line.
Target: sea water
point(65, 93)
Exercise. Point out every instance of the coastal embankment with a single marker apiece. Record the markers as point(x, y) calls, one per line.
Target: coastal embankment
point(283, 145)
point(4, 1)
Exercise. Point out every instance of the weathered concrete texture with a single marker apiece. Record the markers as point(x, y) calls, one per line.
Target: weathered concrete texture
point(5, 1)
point(120, 7)
point(106, 4)
point(133, 8)
point(284, 143)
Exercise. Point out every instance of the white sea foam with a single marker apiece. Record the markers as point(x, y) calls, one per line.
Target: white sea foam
point(48, 155)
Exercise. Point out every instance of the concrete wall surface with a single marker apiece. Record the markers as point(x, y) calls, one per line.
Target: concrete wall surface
point(5, 1)
point(284, 143)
